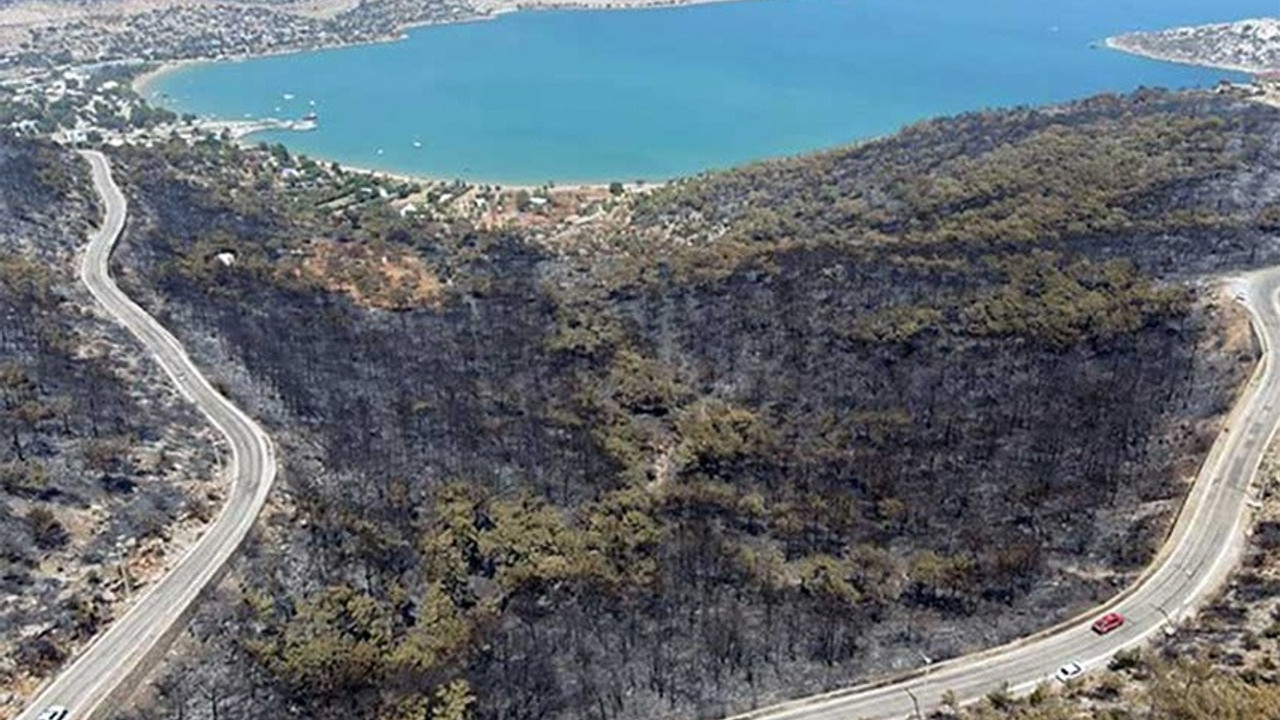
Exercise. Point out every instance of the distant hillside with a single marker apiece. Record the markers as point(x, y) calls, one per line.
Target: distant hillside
point(1248, 45)
point(39, 34)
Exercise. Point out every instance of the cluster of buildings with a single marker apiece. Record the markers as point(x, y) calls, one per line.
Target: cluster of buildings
point(76, 106)
point(179, 31)
point(97, 104)
point(72, 105)
point(218, 31)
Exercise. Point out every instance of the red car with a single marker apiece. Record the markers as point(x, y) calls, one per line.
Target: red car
point(1108, 622)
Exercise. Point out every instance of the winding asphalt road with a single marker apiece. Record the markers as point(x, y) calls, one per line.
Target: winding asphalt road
point(1204, 545)
point(114, 661)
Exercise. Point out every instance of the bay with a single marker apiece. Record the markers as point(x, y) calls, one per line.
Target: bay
point(593, 96)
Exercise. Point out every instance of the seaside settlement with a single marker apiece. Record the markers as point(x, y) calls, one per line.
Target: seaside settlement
point(99, 105)
point(1246, 46)
point(68, 72)
point(1249, 46)
point(112, 30)
point(76, 83)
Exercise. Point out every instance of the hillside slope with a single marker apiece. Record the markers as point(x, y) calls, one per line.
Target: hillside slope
point(100, 478)
point(793, 425)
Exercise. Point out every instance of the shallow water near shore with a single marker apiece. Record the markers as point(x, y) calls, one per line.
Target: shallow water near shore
point(577, 96)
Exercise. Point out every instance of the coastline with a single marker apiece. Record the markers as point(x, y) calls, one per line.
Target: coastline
point(143, 84)
point(484, 13)
point(243, 132)
point(425, 180)
point(1119, 44)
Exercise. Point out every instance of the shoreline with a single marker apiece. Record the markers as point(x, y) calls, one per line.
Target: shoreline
point(143, 84)
point(552, 188)
point(1118, 44)
point(244, 137)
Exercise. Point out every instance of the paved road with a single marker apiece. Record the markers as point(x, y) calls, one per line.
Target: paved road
point(1204, 546)
point(115, 657)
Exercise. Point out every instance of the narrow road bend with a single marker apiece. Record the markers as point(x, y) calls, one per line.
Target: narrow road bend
point(104, 671)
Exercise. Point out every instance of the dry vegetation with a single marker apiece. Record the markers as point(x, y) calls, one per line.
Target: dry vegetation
point(374, 275)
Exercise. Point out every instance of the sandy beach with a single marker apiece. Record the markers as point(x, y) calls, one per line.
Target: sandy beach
point(143, 82)
point(424, 180)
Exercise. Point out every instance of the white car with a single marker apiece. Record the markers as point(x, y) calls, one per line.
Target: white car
point(1070, 671)
point(54, 712)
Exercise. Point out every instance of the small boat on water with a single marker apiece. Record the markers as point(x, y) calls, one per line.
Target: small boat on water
point(288, 96)
point(417, 144)
point(311, 117)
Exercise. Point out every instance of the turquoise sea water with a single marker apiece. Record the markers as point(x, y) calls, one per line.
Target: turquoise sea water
point(605, 95)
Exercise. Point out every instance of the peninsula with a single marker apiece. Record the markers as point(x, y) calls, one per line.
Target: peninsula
point(1251, 46)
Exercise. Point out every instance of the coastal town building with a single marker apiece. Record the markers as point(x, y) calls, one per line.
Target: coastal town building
point(1269, 81)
